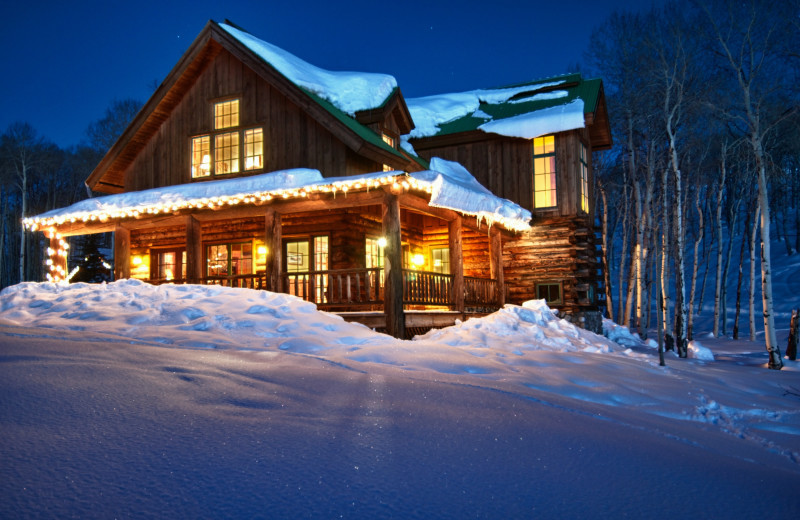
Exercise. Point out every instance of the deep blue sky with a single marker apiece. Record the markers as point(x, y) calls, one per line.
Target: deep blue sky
point(64, 62)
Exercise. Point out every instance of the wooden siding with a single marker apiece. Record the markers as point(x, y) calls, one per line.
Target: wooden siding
point(556, 250)
point(504, 165)
point(292, 139)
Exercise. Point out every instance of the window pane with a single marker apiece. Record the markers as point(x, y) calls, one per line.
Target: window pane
point(201, 156)
point(217, 260)
point(253, 149)
point(226, 114)
point(544, 172)
point(297, 256)
point(374, 254)
point(226, 153)
point(441, 260)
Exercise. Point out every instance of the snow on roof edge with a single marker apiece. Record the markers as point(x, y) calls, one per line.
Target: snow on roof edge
point(349, 91)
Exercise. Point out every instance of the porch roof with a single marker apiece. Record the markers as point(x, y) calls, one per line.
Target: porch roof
point(448, 184)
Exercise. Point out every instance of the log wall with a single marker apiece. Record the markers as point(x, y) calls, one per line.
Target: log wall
point(292, 139)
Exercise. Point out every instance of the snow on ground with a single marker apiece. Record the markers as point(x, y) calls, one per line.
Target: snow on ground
point(132, 400)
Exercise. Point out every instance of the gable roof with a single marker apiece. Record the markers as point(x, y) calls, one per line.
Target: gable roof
point(523, 110)
point(332, 98)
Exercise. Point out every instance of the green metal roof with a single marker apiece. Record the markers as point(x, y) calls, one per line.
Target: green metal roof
point(575, 86)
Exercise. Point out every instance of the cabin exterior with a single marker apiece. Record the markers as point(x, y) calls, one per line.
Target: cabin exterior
point(241, 170)
point(547, 170)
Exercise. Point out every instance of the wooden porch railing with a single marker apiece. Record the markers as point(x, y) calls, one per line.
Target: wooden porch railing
point(340, 287)
point(480, 292)
point(364, 287)
point(427, 288)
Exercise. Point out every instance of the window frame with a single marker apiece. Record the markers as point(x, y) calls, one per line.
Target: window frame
point(237, 156)
point(559, 285)
point(229, 259)
point(180, 256)
point(554, 189)
point(583, 181)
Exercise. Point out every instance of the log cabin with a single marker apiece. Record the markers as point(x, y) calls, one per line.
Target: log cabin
point(251, 168)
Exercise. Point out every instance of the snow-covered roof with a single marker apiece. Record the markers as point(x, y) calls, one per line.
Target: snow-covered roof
point(527, 110)
point(350, 92)
point(449, 184)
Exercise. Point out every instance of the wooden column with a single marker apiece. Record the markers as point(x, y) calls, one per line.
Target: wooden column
point(496, 252)
point(272, 239)
point(58, 270)
point(393, 267)
point(122, 253)
point(194, 250)
point(456, 262)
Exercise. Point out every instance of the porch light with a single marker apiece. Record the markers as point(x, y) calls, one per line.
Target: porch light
point(382, 242)
point(261, 250)
point(137, 261)
point(418, 260)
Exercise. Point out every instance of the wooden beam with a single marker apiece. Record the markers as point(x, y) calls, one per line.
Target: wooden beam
point(393, 267)
point(194, 250)
point(272, 239)
point(456, 262)
point(496, 262)
point(122, 253)
point(58, 260)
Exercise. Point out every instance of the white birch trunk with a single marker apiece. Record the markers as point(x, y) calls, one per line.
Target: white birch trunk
point(718, 286)
point(752, 293)
point(698, 240)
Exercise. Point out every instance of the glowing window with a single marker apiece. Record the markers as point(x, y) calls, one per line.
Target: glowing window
point(374, 253)
point(201, 156)
point(253, 149)
point(226, 114)
point(544, 172)
point(226, 153)
point(229, 259)
point(441, 260)
point(584, 185)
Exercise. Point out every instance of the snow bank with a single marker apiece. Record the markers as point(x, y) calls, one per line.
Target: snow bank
point(697, 351)
point(350, 92)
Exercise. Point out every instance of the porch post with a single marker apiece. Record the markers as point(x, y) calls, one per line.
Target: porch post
point(194, 250)
point(496, 253)
point(272, 239)
point(393, 267)
point(58, 270)
point(122, 253)
point(456, 262)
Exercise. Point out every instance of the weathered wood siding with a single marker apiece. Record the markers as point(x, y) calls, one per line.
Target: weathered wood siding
point(292, 139)
point(556, 250)
point(505, 166)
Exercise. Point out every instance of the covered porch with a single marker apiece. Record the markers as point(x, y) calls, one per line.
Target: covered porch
point(375, 252)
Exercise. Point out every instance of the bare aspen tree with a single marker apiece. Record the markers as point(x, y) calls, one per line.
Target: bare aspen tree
point(748, 36)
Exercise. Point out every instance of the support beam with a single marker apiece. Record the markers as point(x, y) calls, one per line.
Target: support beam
point(456, 262)
point(496, 252)
point(272, 239)
point(59, 268)
point(122, 253)
point(194, 250)
point(393, 267)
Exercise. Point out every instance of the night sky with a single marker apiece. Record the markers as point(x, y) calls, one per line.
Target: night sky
point(63, 63)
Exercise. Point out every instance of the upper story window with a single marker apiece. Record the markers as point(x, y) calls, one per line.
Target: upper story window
point(584, 185)
point(232, 150)
point(226, 114)
point(388, 139)
point(544, 172)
